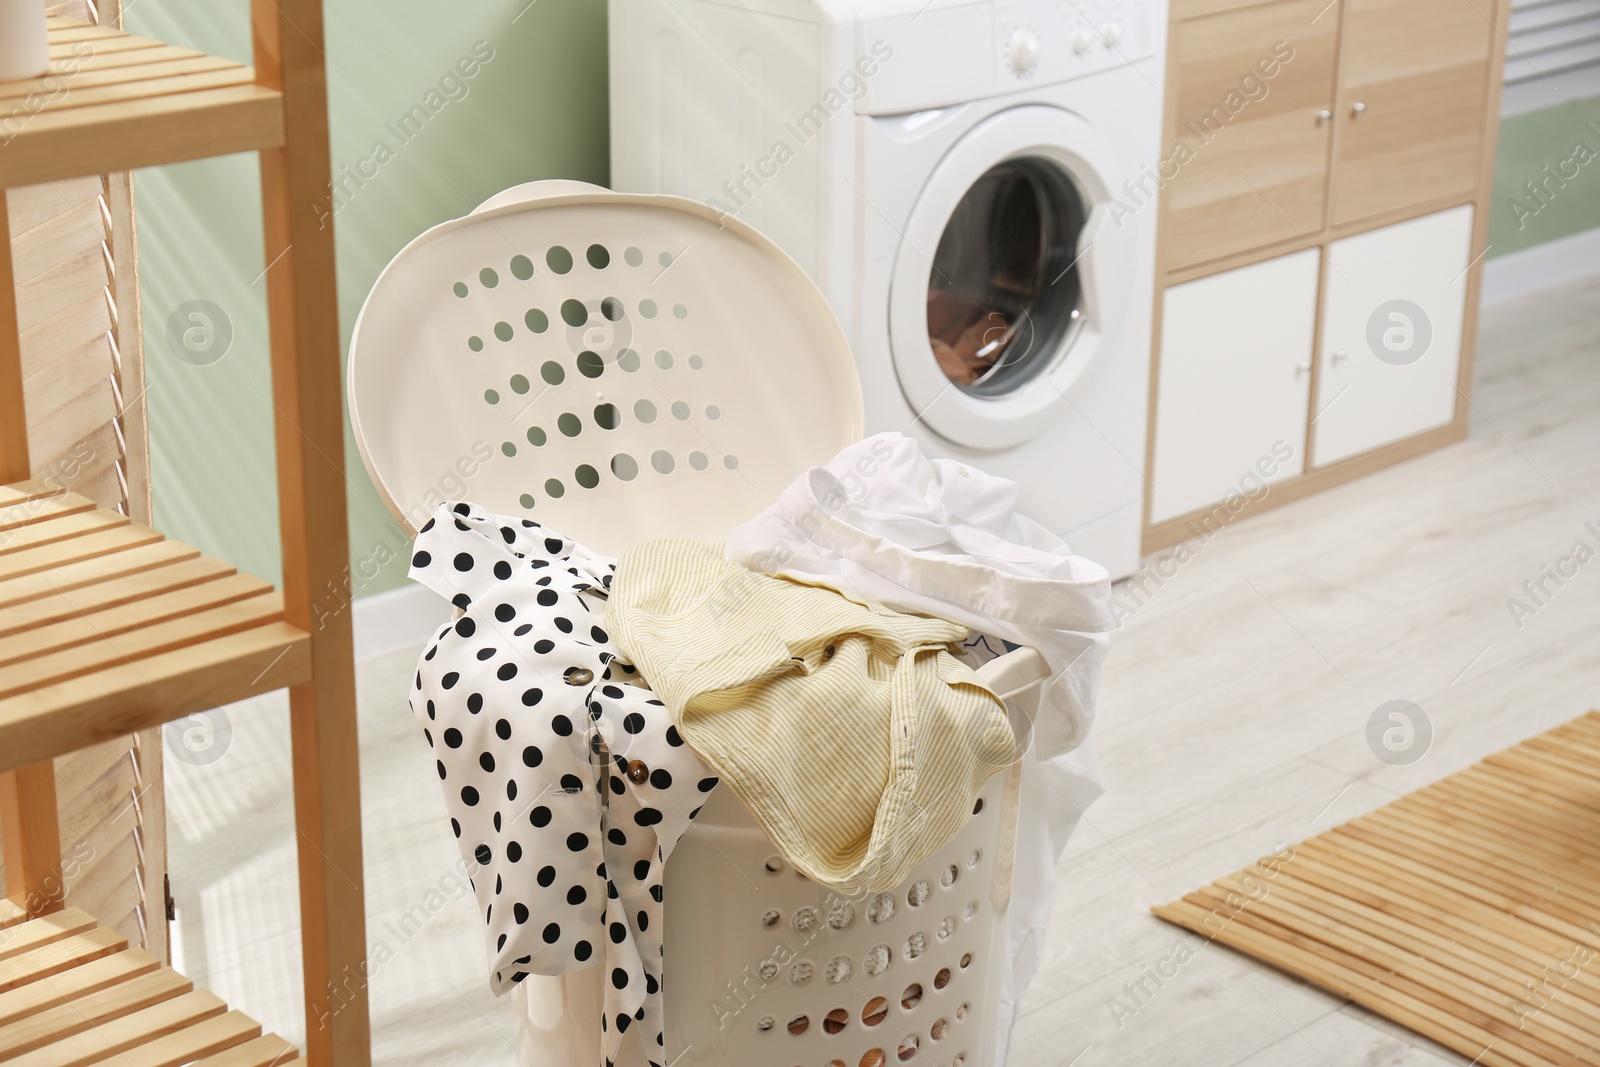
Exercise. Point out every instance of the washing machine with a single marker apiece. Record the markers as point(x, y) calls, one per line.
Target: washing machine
point(972, 184)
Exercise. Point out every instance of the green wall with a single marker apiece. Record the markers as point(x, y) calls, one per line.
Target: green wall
point(535, 109)
point(1558, 150)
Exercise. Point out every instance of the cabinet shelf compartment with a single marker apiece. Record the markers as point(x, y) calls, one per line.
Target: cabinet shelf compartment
point(107, 627)
point(114, 102)
point(74, 993)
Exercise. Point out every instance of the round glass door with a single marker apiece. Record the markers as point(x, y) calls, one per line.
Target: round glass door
point(1004, 296)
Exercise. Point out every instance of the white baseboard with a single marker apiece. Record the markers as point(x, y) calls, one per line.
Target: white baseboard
point(395, 619)
point(1542, 267)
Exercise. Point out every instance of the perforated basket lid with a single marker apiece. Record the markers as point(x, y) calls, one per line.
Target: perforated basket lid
point(617, 366)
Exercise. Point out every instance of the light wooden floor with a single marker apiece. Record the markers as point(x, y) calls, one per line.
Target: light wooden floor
point(1233, 718)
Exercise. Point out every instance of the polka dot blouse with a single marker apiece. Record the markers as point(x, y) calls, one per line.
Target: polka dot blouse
point(566, 782)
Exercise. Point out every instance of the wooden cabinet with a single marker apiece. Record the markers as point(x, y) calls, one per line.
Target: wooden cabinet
point(1324, 190)
point(1391, 334)
point(1410, 119)
point(1236, 365)
point(1246, 154)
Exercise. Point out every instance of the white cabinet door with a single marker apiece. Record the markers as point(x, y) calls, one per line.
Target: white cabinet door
point(1391, 333)
point(1234, 383)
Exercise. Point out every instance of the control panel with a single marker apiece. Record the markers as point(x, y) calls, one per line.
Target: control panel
point(950, 53)
point(1044, 41)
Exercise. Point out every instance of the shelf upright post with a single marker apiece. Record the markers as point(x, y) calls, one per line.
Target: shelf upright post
point(303, 314)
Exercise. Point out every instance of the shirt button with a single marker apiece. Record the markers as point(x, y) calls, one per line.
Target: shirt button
point(579, 676)
point(638, 773)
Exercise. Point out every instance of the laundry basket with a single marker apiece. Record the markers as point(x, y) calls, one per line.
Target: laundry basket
point(622, 367)
point(768, 969)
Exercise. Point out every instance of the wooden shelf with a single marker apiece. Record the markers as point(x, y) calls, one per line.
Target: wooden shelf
point(73, 992)
point(107, 627)
point(117, 102)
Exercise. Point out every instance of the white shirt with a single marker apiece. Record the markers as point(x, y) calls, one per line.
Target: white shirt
point(884, 523)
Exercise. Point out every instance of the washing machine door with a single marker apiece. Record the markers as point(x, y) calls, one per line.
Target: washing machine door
point(1010, 277)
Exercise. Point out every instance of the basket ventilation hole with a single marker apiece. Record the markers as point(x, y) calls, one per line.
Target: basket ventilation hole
point(909, 1046)
point(877, 960)
point(558, 259)
point(769, 970)
point(948, 876)
point(880, 908)
point(875, 1012)
point(805, 920)
point(916, 945)
point(912, 996)
point(978, 806)
point(841, 913)
point(664, 359)
point(873, 1057)
point(939, 1028)
point(801, 972)
point(917, 895)
point(766, 1024)
point(836, 1063)
point(647, 308)
point(975, 856)
point(960, 1060)
point(970, 910)
point(624, 466)
point(774, 864)
point(633, 257)
point(771, 918)
point(598, 257)
point(947, 926)
point(661, 460)
point(961, 1012)
point(838, 969)
point(836, 1020)
point(521, 268)
point(799, 1025)
point(941, 979)
point(966, 960)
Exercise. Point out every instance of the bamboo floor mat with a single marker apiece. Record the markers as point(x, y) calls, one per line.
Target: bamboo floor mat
point(1468, 911)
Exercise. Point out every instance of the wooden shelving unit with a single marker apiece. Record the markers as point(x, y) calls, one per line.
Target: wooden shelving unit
point(107, 627)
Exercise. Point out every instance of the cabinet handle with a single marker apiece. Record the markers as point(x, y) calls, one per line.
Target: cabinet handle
point(1357, 108)
point(1324, 115)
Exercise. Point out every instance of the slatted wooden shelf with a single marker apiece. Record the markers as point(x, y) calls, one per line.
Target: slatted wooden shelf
point(114, 102)
point(74, 993)
point(106, 627)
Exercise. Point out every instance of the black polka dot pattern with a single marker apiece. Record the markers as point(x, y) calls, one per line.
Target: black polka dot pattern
point(523, 697)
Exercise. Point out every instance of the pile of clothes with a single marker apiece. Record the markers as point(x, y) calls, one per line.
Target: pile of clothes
point(580, 709)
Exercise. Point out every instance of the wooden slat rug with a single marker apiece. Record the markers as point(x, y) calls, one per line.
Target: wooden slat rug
point(1468, 911)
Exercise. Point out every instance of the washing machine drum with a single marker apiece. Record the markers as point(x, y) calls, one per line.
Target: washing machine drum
point(1026, 279)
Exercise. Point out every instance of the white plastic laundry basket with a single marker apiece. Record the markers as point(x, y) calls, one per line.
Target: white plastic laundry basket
point(621, 367)
point(768, 969)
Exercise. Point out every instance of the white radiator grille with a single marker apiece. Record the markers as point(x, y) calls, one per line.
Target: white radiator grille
point(1553, 54)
